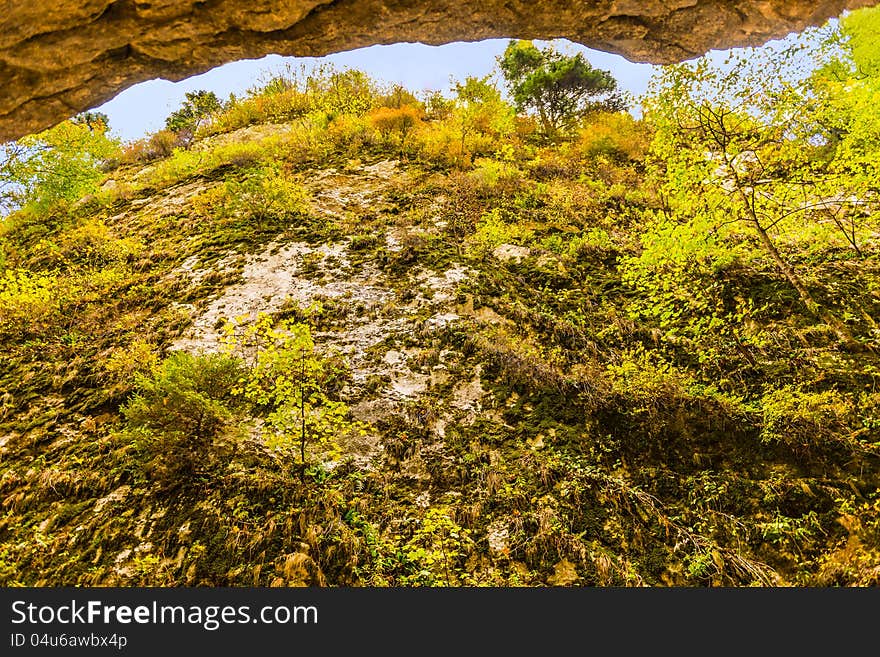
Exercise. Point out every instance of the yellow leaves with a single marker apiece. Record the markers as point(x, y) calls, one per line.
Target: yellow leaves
point(802, 419)
point(389, 120)
point(138, 358)
point(29, 300)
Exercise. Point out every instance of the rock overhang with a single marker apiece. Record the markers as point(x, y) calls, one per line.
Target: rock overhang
point(62, 57)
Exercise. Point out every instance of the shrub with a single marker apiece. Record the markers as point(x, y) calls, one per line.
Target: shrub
point(493, 230)
point(614, 135)
point(241, 153)
point(440, 143)
point(291, 384)
point(306, 141)
point(57, 166)
point(29, 302)
point(181, 165)
point(126, 363)
point(266, 197)
point(184, 164)
point(350, 132)
point(394, 124)
point(802, 419)
point(159, 145)
point(489, 174)
point(92, 244)
point(649, 380)
point(296, 94)
point(180, 411)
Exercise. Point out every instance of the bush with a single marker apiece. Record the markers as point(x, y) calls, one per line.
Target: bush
point(181, 165)
point(350, 132)
point(184, 164)
point(127, 363)
point(802, 419)
point(57, 166)
point(492, 231)
point(180, 411)
point(29, 302)
point(159, 145)
point(267, 197)
point(292, 385)
point(394, 124)
point(296, 94)
point(616, 136)
point(93, 245)
point(491, 175)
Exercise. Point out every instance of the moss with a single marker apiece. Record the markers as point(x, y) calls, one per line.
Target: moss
point(636, 453)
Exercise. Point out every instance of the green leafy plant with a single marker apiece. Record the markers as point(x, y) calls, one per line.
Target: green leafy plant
point(196, 111)
point(291, 384)
point(56, 166)
point(559, 88)
point(181, 410)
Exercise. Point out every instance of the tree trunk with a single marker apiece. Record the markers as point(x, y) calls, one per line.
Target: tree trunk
point(786, 269)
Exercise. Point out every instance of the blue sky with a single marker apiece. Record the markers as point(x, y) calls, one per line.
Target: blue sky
point(143, 107)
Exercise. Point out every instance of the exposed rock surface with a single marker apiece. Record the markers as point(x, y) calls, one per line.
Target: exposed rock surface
point(59, 58)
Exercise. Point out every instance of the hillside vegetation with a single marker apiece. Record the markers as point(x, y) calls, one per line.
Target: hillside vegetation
point(332, 333)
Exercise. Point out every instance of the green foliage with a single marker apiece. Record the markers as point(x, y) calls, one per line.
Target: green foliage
point(296, 94)
point(860, 33)
point(677, 276)
point(88, 243)
point(643, 400)
point(436, 552)
point(180, 411)
point(127, 363)
point(184, 164)
point(29, 302)
point(742, 155)
point(266, 197)
point(56, 166)
point(291, 384)
point(196, 111)
point(478, 119)
point(560, 88)
point(804, 420)
point(494, 229)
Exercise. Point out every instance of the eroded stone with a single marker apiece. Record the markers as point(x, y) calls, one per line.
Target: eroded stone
point(62, 57)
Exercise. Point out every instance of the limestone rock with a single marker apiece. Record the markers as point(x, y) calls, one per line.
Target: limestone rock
point(511, 253)
point(61, 57)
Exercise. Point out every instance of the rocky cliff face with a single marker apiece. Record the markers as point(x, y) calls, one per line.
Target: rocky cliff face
point(59, 58)
point(513, 416)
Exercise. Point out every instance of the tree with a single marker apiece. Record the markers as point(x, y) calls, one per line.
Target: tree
point(60, 164)
point(845, 94)
point(741, 147)
point(289, 381)
point(561, 89)
point(94, 121)
point(479, 110)
point(180, 411)
point(195, 112)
